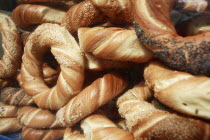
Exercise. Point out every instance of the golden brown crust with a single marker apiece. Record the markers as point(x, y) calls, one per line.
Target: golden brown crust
point(181, 91)
point(98, 64)
point(8, 125)
point(15, 96)
point(73, 135)
point(155, 29)
point(82, 15)
point(147, 122)
point(28, 16)
point(7, 110)
point(91, 98)
point(99, 127)
point(37, 118)
point(40, 134)
point(35, 1)
point(118, 11)
point(68, 54)
point(113, 43)
point(12, 47)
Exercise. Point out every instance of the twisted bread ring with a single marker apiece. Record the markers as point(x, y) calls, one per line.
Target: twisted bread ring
point(7, 110)
point(29, 116)
point(8, 125)
point(26, 16)
point(68, 54)
point(154, 28)
point(11, 44)
point(15, 96)
point(181, 91)
point(42, 134)
point(81, 15)
point(91, 98)
point(147, 122)
point(113, 43)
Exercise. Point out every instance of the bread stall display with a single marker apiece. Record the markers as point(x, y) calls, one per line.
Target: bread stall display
point(105, 70)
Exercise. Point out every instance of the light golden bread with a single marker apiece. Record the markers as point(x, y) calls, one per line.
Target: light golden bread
point(66, 51)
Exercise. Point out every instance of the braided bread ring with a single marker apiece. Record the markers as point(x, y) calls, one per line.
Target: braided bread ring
point(68, 54)
point(147, 122)
point(29, 116)
point(154, 28)
point(181, 91)
point(91, 98)
point(113, 43)
point(82, 15)
point(42, 134)
point(26, 15)
point(11, 45)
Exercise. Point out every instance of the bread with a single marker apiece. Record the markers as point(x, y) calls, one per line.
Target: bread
point(37, 118)
point(97, 64)
point(118, 11)
point(98, 127)
point(9, 125)
point(147, 122)
point(71, 134)
point(81, 15)
point(7, 110)
point(155, 29)
point(91, 98)
point(196, 25)
point(113, 43)
point(66, 51)
point(12, 47)
point(195, 5)
point(181, 91)
point(15, 96)
point(26, 16)
point(41, 134)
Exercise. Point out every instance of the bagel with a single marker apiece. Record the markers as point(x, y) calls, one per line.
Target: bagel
point(155, 29)
point(66, 51)
point(11, 44)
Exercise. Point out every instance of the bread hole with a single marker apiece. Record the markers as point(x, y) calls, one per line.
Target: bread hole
point(1, 49)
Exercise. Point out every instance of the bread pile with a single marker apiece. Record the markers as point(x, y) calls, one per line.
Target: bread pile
point(81, 70)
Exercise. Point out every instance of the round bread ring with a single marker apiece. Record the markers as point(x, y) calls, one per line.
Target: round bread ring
point(12, 47)
point(155, 29)
point(66, 51)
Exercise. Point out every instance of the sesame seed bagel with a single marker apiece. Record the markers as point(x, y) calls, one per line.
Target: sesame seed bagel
point(57, 40)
